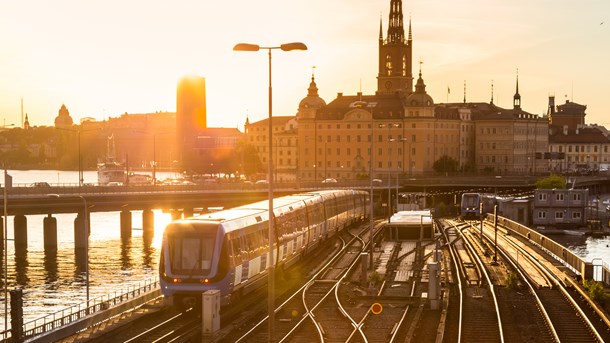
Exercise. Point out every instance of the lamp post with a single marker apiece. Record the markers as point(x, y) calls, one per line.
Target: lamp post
point(86, 227)
point(389, 126)
point(271, 274)
point(370, 106)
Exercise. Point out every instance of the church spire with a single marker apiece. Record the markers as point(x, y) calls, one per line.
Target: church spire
point(492, 92)
point(380, 30)
point(395, 55)
point(410, 32)
point(464, 91)
point(396, 30)
point(517, 97)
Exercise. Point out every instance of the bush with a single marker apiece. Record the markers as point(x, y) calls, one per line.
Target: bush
point(595, 290)
point(512, 281)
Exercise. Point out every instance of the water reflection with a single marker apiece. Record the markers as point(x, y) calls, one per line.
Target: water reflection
point(50, 266)
point(21, 267)
point(126, 253)
point(147, 249)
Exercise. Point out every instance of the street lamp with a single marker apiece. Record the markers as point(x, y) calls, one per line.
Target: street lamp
point(271, 274)
point(370, 106)
point(389, 126)
point(86, 226)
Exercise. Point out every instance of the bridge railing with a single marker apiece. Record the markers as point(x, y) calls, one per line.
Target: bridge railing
point(78, 312)
point(558, 251)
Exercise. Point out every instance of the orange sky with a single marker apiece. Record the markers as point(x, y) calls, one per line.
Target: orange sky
point(113, 57)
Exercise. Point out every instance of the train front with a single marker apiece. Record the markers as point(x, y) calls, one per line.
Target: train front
point(191, 262)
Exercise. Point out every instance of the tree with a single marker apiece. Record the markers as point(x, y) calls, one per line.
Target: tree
point(551, 182)
point(445, 164)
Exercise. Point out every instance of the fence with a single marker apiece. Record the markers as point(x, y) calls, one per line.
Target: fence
point(75, 314)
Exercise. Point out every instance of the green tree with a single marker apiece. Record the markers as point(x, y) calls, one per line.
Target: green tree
point(551, 182)
point(445, 164)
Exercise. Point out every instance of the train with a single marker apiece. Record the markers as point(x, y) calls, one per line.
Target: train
point(229, 250)
point(474, 205)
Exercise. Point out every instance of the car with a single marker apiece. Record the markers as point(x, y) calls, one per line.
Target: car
point(377, 181)
point(262, 182)
point(41, 185)
point(330, 180)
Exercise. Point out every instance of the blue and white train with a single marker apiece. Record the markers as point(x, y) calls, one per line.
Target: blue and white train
point(229, 250)
point(471, 206)
point(476, 204)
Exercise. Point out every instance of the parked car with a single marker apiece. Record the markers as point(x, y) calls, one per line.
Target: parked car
point(331, 180)
point(41, 185)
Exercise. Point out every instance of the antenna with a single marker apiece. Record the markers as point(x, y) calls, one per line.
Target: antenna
point(21, 112)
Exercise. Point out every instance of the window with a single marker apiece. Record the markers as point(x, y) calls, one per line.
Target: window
point(559, 196)
point(542, 196)
point(575, 215)
point(541, 215)
point(558, 215)
point(576, 197)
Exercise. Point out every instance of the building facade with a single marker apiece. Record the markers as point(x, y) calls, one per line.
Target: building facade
point(560, 208)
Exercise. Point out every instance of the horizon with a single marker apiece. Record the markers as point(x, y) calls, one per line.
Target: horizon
point(104, 60)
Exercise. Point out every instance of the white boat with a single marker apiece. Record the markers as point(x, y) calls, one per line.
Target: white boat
point(110, 170)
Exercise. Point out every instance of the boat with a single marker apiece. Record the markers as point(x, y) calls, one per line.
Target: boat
point(110, 171)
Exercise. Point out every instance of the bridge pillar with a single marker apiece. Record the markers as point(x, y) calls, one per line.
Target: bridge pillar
point(176, 214)
point(21, 231)
point(81, 233)
point(49, 227)
point(187, 212)
point(148, 222)
point(125, 224)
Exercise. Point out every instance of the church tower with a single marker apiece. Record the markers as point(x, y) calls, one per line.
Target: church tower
point(395, 55)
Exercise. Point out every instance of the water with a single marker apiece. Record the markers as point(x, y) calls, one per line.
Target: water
point(54, 281)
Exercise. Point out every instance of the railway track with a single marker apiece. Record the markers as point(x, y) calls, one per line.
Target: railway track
point(296, 318)
point(566, 313)
point(478, 313)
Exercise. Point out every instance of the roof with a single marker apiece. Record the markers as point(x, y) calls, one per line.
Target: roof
point(412, 217)
point(584, 135)
point(382, 106)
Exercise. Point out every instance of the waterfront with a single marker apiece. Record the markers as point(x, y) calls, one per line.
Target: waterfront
point(54, 281)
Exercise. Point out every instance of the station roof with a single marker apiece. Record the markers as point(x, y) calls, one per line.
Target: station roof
point(412, 217)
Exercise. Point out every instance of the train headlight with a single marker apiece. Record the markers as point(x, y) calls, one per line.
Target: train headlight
point(206, 280)
point(176, 280)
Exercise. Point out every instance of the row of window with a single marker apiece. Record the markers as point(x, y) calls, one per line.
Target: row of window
point(560, 196)
point(583, 148)
point(559, 215)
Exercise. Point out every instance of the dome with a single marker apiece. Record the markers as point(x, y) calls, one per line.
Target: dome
point(63, 118)
point(419, 98)
point(312, 100)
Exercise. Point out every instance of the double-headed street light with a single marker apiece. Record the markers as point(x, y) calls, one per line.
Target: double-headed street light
point(270, 275)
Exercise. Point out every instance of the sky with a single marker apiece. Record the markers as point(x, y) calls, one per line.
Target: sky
point(105, 58)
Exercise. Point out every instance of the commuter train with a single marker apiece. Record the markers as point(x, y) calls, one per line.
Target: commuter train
point(471, 204)
point(229, 250)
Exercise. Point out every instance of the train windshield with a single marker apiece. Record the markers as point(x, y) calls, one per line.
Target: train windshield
point(191, 254)
point(471, 200)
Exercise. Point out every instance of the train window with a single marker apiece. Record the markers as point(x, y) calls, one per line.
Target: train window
point(191, 255)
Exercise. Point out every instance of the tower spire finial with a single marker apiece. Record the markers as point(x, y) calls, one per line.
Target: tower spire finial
point(464, 91)
point(492, 92)
point(517, 97)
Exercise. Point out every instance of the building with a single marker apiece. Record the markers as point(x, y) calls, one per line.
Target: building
point(284, 149)
point(560, 208)
point(191, 116)
point(573, 146)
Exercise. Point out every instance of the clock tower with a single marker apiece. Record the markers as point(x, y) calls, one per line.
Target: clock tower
point(395, 55)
